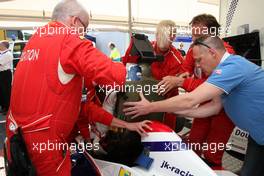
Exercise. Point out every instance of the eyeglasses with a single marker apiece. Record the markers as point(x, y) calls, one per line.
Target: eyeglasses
point(197, 42)
point(82, 23)
point(85, 26)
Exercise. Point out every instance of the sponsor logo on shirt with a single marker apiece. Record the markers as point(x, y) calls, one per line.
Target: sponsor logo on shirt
point(218, 71)
point(30, 55)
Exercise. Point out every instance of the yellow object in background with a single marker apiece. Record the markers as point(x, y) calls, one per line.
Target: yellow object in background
point(115, 54)
point(2, 35)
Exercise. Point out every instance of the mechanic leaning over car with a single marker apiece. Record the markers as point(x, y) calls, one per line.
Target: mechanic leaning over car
point(236, 86)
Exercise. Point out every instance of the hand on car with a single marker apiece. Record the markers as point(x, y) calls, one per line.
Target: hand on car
point(136, 109)
point(140, 127)
point(168, 83)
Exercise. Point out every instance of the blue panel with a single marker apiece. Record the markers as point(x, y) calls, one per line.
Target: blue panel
point(183, 39)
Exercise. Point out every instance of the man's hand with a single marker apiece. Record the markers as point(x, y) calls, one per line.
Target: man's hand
point(168, 83)
point(139, 127)
point(137, 108)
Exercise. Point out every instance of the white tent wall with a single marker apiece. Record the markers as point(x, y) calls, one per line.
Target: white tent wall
point(247, 12)
point(109, 18)
point(145, 13)
point(150, 12)
point(178, 10)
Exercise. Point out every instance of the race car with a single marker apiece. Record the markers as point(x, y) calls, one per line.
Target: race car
point(164, 154)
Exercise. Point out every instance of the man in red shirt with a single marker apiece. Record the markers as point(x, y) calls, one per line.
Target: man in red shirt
point(211, 130)
point(47, 87)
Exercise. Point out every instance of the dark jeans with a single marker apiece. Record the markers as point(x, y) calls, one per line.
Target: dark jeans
point(254, 160)
point(5, 88)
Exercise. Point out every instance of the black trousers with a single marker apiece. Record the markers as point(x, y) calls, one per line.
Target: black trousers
point(5, 88)
point(254, 160)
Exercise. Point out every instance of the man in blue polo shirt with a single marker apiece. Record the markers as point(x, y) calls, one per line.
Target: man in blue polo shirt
point(234, 83)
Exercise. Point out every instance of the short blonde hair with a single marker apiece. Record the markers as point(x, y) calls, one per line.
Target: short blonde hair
point(165, 24)
point(164, 31)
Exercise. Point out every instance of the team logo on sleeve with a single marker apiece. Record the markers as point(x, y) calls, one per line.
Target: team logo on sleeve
point(218, 71)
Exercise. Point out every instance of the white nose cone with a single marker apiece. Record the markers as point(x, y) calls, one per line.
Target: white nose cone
point(171, 155)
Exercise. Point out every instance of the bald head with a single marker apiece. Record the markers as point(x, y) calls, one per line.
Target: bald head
point(210, 42)
point(208, 52)
point(69, 8)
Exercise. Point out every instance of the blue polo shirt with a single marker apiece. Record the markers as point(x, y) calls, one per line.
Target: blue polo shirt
point(243, 100)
